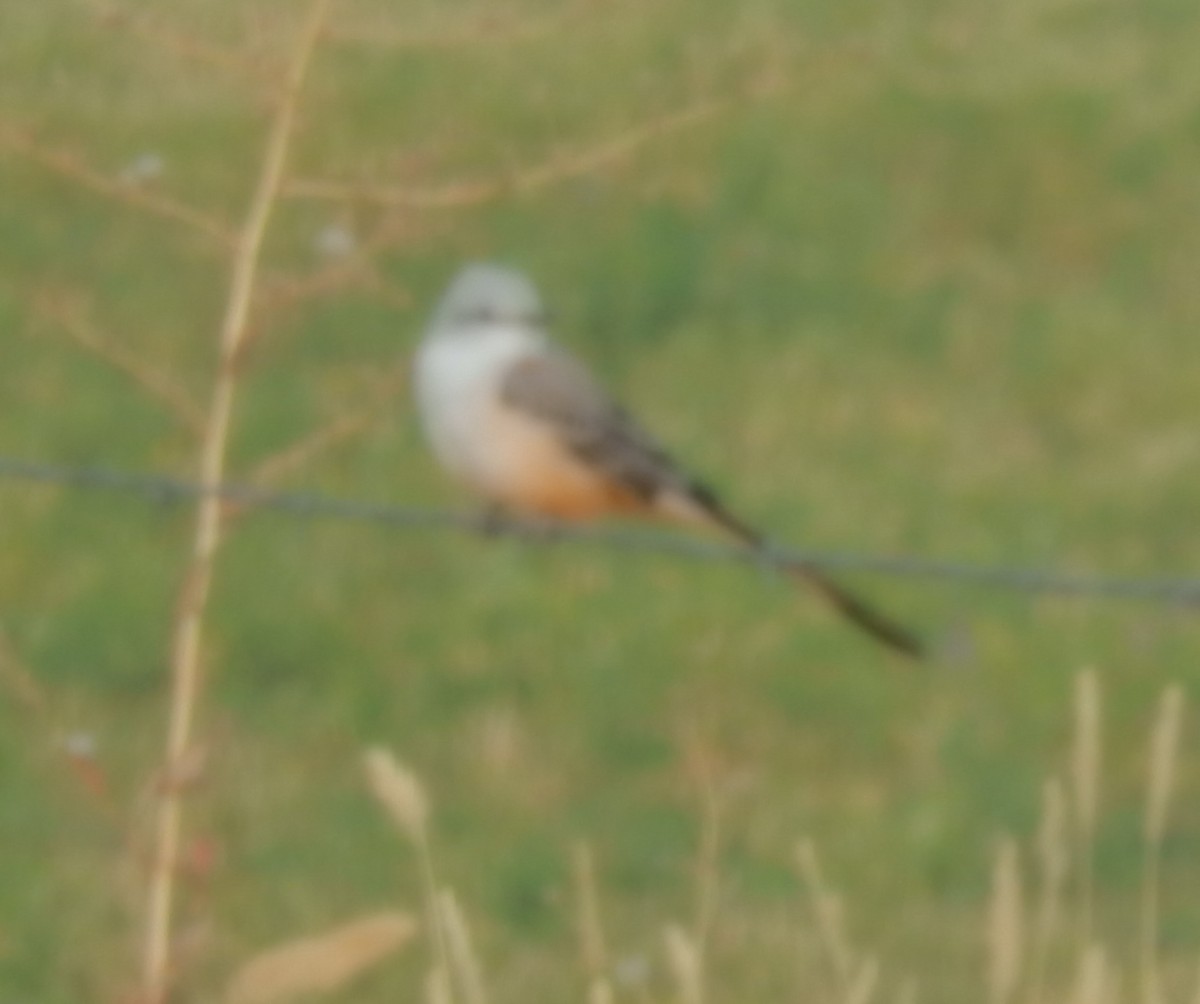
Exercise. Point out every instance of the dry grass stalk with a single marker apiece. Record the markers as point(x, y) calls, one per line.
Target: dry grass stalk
point(707, 873)
point(828, 912)
point(1164, 748)
point(600, 992)
point(591, 930)
point(437, 987)
point(684, 962)
point(1086, 760)
point(185, 646)
point(1085, 778)
point(862, 988)
point(401, 793)
point(1005, 924)
point(21, 142)
point(1094, 982)
point(463, 957)
point(70, 314)
point(320, 963)
point(1053, 846)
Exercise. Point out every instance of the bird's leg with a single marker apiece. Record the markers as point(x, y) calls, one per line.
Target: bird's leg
point(493, 520)
point(497, 521)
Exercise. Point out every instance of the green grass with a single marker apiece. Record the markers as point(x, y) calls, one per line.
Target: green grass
point(936, 295)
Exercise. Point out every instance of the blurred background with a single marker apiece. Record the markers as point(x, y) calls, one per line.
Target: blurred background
point(896, 278)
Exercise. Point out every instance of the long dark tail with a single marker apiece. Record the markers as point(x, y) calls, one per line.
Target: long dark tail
point(880, 627)
point(883, 628)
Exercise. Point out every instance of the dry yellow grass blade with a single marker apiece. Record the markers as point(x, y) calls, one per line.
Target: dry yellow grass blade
point(827, 909)
point(600, 992)
point(465, 961)
point(1086, 759)
point(437, 987)
point(1094, 983)
point(591, 930)
point(1164, 751)
point(320, 963)
point(399, 791)
point(1054, 857)
point(1085, 778)
point(684, 962)
point(862, 988)
point(1005, 927)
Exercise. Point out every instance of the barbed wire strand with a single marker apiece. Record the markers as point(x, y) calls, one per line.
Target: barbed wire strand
point(165, 489)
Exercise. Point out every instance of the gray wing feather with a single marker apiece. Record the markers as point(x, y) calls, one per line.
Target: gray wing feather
point(557, 389)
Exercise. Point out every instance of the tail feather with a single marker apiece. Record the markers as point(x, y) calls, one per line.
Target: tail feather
point(881, 627)
point(861, 613)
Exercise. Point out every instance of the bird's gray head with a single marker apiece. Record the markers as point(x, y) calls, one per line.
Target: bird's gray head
point(486, 294)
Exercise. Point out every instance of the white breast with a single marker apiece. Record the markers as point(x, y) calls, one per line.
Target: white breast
point(458, 376)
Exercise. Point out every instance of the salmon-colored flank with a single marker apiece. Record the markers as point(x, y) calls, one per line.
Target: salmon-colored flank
point(532, 470)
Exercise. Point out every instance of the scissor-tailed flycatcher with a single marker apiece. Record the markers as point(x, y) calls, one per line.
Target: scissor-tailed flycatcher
point(527, 427)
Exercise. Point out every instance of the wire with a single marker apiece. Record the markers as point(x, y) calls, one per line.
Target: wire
point(166, 489)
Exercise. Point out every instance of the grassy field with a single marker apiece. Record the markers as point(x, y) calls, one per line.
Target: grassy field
point(910, 279)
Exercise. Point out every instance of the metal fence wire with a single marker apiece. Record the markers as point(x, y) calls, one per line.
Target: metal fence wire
point(165, 489)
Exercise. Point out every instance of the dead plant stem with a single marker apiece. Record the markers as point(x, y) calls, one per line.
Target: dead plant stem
point(185, 646)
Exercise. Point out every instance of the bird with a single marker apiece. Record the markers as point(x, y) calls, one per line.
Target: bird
point(526, 426)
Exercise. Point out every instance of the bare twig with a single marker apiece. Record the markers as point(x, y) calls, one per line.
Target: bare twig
point(73, 748)
point(288, 295)
point(185, 649)
point(17, 678)
point(355, 269)
point(70, 314)
point(69, 166)
point(182, 45)
point(276, 467)
point(521, 181)
point(487, 28)
point(282, 295)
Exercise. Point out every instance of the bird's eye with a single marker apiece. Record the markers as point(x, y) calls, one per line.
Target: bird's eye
point(480, 315)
